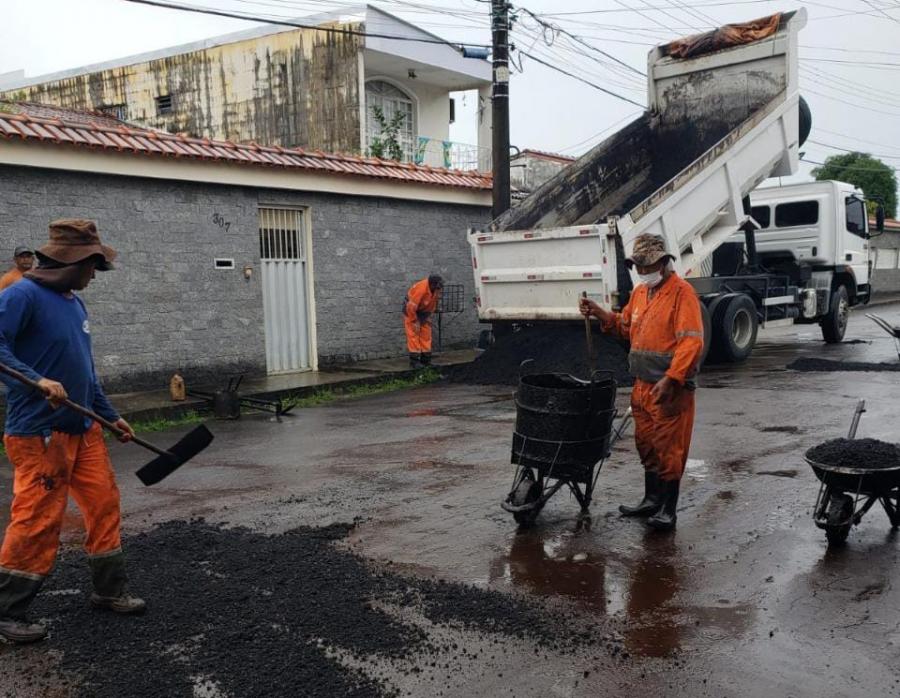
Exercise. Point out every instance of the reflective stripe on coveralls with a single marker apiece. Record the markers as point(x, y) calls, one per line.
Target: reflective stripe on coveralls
point(46, 470)
point(666, 335)
point(418, 306)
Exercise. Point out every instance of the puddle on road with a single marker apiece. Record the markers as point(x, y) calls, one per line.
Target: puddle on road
point(779, 473)
point(696, 469)
point(645, 591)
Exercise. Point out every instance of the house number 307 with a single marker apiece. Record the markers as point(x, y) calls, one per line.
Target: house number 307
point(220, 221)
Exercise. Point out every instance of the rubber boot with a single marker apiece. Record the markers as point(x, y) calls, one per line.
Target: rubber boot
point(649, 505)
point(16, 595)
point(426, 358)
point(110, 582)
point(665, 518)
point(414, 361)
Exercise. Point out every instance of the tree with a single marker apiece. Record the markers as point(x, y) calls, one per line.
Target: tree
point(877, 180)
point(386, 145)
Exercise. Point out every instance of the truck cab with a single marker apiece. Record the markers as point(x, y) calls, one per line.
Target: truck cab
point(818, 232)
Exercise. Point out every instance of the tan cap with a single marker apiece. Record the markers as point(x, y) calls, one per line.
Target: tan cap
point(648, 249)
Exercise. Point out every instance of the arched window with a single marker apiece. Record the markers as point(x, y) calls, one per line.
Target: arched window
point(391, 100)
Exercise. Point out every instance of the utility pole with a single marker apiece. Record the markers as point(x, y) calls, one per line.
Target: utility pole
point(500, 106)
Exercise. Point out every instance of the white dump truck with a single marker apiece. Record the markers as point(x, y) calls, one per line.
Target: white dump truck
point(722, 119)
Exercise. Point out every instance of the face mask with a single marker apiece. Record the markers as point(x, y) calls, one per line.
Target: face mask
point(652, 280)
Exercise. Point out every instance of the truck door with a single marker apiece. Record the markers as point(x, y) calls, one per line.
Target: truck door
point(854, 241)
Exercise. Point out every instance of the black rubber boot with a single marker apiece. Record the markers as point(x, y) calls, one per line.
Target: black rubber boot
point(426, 358)
point(665, 518)
point(16, 594)
point(649, 505)
point(110, 582)
point(414, 361)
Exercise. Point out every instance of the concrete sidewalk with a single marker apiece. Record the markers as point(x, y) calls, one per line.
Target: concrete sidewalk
point(156, 404)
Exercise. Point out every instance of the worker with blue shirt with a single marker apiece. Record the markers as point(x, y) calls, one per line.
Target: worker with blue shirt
point(45, 334)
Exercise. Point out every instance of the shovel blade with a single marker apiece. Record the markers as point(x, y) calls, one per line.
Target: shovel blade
point(189, 446)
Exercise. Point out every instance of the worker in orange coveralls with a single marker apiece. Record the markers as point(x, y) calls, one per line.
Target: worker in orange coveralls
point(54, 451)
point(662, 321)
point(420, 304)
point(24, 260)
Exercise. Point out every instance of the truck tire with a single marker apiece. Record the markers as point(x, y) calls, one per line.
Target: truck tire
point(734, 328)
point(834, 325)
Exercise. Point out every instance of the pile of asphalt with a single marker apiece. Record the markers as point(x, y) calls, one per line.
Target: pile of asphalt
point(249, 614)
point(870, 454)
point(824, 365)
point(553, 348)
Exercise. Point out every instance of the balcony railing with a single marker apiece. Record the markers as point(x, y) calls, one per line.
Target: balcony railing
point(437, 152)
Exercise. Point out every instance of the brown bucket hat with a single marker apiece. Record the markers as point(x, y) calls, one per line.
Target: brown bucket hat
point(648, 249)
point(73, 240)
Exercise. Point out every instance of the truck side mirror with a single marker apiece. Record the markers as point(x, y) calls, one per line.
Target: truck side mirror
point(879, 218)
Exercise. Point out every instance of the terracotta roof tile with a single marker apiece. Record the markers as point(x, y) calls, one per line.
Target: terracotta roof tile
point(31, 122)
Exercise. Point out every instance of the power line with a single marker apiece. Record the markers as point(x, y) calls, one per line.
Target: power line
point(853, 104)
point(580, 79)
point(600, 133)
point(851, 150)
point(698, 5)
point(299, 25)
point(856, 168)
point(581, 41)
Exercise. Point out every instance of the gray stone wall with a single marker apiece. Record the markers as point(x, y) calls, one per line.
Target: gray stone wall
point(166, 306)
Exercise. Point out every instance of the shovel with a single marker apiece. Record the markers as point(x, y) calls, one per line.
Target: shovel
point(588, 334)
point(165, 463)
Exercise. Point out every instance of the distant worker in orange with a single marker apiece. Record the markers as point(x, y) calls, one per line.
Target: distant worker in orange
point(662, 321)
point(24, 260)
point(420, 304)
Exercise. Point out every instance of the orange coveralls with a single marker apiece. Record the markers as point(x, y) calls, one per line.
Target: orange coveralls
point(11, 277)
point(666, 335)
point(46, 471)
point(417, 309)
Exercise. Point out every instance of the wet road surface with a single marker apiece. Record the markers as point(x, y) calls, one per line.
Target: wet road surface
point(745, 599)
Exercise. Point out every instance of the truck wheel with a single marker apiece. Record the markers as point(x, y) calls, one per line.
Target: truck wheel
point(734, 328)
point(834, 325)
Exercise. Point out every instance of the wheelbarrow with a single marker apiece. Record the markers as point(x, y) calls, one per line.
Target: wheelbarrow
point(846, 494)
point(563, 434)
point(887, 327)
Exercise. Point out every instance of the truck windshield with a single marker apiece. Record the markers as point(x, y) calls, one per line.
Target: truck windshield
point(796, 213)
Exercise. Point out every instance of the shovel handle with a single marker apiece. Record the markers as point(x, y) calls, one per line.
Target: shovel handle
point(587, 331)
point(75, 407)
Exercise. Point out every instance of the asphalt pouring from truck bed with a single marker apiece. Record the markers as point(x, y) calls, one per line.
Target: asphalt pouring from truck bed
point(359, 549)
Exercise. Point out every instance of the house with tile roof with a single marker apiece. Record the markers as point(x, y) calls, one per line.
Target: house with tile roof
point(318, 83)
point(237, 257)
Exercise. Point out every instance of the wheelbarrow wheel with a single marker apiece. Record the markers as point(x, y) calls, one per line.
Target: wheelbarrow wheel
point(527, 491)
point(839, 519)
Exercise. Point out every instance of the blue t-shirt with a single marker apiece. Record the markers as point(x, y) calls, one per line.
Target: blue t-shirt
point(45, 334)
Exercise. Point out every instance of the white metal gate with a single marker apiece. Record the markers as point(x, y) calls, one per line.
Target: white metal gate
point(285, 269)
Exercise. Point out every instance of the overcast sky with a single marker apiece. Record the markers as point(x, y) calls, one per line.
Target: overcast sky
point(850, 89)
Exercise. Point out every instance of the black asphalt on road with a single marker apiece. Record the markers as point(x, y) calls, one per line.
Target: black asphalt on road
point(744, 600)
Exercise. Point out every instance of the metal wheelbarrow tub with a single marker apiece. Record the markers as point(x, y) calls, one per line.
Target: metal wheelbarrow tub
point(846, 494)
point(563, 430)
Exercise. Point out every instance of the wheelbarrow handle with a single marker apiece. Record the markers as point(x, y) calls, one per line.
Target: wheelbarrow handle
point(854, 425)
point(617, 434)
point(75, 407)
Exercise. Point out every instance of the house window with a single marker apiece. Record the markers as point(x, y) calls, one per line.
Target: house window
point(116, 111)
point(391, 100)
point(164, 104)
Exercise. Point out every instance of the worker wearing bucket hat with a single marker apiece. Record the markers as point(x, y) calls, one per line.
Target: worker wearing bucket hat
point(662, 321)
point(45, 335)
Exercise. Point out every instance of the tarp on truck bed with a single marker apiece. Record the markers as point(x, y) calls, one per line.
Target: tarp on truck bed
point(724, 37)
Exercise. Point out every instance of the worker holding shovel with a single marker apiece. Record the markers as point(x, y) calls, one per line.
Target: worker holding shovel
point(662, 321)
point(419, 305)
point(45, 335)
